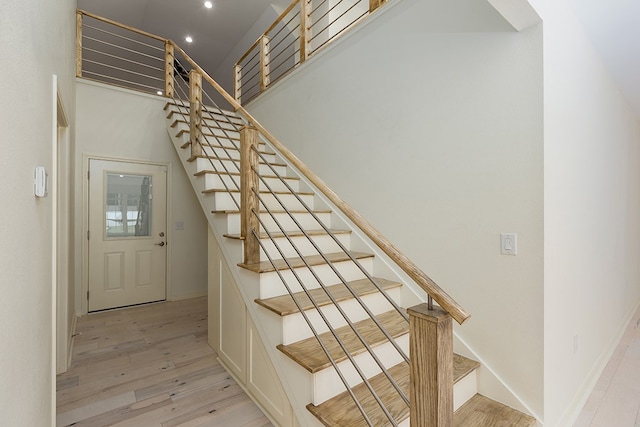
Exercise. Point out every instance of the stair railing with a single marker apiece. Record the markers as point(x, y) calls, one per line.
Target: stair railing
point(431, 366)
point(301, 30)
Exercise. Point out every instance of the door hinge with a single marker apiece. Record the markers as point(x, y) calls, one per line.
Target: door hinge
point(88, 174)
point(87, 295)
point(88, 234)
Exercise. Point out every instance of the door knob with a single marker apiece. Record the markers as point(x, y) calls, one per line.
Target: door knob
point(162, 234)
point(159, 244)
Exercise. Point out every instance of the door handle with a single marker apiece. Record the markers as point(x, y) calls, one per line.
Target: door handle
point(159, 244)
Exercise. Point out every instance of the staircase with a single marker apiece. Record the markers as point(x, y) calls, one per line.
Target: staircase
point(317, 277)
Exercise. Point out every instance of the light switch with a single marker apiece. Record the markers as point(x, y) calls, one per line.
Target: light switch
point(179, 225)
point(508, 243)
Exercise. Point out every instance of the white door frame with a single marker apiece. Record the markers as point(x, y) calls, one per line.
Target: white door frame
point(86, 158)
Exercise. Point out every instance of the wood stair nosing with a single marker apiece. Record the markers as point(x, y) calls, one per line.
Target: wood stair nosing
point(207, 134)
point(207, 125)
point(480, 411)
point(274, 211)
point(226, 147)
point(203, 156)
point(279, 234)
point(224, 190)
point(341, 410)
point(209, 108)
point(309, 354)
point(295, 262)
point(284, 305)
point(215, 172)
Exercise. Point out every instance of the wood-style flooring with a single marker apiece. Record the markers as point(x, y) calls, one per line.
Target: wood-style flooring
point(150, 365)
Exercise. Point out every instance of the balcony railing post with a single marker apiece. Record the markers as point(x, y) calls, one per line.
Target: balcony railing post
point(431, 372)
point(264, 62)
point(169, 59)
point(305, 29)
point(78, 44)
point(249, 203)
point(195, 113)
point(237, 83)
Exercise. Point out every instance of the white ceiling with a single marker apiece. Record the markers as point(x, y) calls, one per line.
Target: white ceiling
point(614, 28)
point(215, 31)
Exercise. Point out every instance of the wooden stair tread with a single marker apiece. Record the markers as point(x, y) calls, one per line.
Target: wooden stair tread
point(266, 267)
point(202, 156)
point(226, 147)
point(342, 411)
point(309, 354)
point(219, 117)
point(289, 233)
point(207, 134)
point(235, 190)
point(284, 305)
point(480, 411)
point(214, 172)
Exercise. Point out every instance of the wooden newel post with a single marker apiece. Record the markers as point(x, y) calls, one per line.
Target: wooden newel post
point(195, 113)
point(305, 29)
point(431, 374)
point(249, 184)
point(374, 4)
point(78, 44)
point(237, 83)
point(169, 59)
point(264, 63)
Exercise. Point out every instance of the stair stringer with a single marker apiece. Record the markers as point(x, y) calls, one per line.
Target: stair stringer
point(294, 378)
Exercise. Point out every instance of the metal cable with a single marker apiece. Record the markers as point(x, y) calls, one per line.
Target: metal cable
point(123, 37)
point(123, 59)
point(341, 15)
point(344, 282)
point(122, 69)
point(127, 82)
point(137, 52)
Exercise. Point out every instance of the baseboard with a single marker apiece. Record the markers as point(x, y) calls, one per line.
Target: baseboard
point(572, 412)
point(490, 384)
point(190, 295)
point(71, 340)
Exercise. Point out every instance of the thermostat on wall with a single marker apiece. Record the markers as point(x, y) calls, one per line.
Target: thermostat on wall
point(40, 182)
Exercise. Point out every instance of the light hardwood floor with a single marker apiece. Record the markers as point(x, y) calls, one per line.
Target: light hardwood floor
point(150, 366)
point(615, 400)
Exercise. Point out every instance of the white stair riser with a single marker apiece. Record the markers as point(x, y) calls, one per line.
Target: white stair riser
point(223, 130)
point(272, 286)
point(327, 383)
point(295, 328)
point(229, 166)
point(225, 201)
point(218, 182)
point(224, 152)
point(306, 220)
point(465, 389)
point(304, 246)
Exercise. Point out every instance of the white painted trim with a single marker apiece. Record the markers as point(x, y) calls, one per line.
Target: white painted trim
point(572, 412)
point(72, 339)
point(86, 158)
point(190, 295)
point(54, 242)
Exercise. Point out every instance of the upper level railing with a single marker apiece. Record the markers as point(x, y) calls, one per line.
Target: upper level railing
point(116, 54)
point(302, 29)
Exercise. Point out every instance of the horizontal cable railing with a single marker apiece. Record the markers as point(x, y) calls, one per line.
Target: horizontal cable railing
point(302, 29)
point(228, 141)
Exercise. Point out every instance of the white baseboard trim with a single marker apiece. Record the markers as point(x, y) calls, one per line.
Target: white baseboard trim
point(71, 340)
point(572, 412)
point(196, 294)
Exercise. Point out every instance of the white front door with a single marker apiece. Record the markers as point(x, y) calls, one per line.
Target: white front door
point(127, 233)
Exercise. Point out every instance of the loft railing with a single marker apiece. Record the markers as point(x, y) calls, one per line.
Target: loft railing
point(236, 162)
point(301, 30)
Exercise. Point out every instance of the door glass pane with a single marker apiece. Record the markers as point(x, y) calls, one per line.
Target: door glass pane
point(128, 205)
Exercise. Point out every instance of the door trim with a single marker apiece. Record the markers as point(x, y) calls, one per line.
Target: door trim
point(86, 158)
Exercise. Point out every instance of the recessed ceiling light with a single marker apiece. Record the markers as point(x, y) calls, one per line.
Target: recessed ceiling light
point(188, 39)
point(208, 4)
point(159, 92)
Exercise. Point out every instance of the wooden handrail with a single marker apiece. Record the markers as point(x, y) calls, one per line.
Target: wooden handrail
point(425, 282)
point(126, 27)
point(266, 33)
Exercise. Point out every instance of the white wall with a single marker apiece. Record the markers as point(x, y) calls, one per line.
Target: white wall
point(429, 122)
point(592, 213)
point(122, 124)
point(37, 42)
